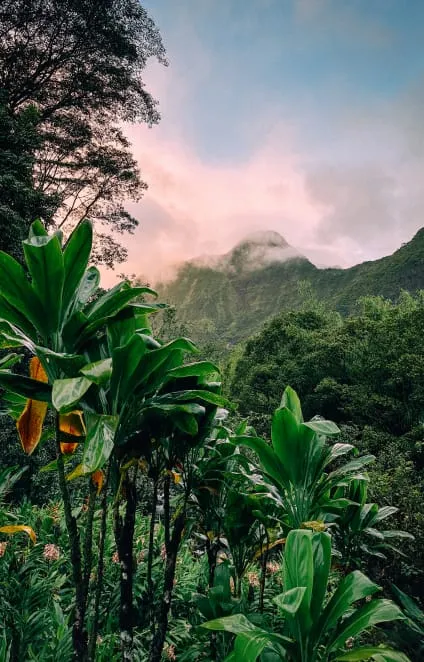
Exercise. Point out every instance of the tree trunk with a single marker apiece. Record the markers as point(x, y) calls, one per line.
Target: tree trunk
point(100, 570)
point(150, 556)
point(163, 612)
point(79, 636)
point(125, 551)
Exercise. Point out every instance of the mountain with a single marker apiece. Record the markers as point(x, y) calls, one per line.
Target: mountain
point(230, 296)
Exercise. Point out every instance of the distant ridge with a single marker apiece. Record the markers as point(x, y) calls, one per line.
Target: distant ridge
point(232, 295)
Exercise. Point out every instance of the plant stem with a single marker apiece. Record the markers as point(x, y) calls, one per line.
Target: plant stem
point(88, 539)
point(78, 634)
point(150, 554)
point(163, 613)
point(263, 574)
point(125, 551)
point(100, 570)
point(166, 510)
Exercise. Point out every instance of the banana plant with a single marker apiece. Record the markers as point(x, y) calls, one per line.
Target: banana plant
point(358, 531)
point(316, 630)
point(296, 466)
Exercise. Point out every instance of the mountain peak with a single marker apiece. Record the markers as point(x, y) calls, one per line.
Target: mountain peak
point(269, 238)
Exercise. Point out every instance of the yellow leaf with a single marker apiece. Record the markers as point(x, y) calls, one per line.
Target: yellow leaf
point(67, 448)
point(210, 535)
point(30, 422)
point(36, 370)
point(177, 477)
point(17, 528)
point(98, 477)
point(72, 423)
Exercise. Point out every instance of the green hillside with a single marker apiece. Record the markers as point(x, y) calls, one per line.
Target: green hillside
point(263, 276)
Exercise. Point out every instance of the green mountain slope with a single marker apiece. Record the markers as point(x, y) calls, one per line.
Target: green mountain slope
point(230, 297)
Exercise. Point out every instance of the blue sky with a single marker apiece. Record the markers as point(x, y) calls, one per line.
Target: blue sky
point(317, 103)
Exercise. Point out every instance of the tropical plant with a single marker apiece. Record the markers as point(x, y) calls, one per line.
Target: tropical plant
point(295, 465)
point(410, 632)
point(315, 630)
point(358, 532)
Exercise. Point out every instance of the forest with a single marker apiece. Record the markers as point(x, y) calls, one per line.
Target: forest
point(168, 492)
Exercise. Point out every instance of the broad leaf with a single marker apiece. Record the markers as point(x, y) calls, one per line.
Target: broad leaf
point(290, 601)
point(16, 289)
point(75, 257)
point(291, 401)
point(377, 653)
point(326, 428)
point(98, 444)
point(376, 611)
point(44, 258)
point(68, 392)
point(98, 372)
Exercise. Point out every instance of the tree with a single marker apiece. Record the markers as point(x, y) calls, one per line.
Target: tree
point(19, 201)
point(80, 65)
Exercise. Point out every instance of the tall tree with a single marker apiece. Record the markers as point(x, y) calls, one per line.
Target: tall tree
point(80, 65)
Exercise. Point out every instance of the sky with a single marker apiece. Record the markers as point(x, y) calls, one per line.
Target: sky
point(305, 117)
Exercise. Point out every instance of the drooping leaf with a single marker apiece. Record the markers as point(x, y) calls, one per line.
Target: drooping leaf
point(198, 369)
point(30, 422)
point(72, 423)
point(68, 448)
point(352, 588)
point(68, 392)
point(98, 444)
point(376, 611)
point(326, 428)
point(11, 529)
point(29, 388)
point(98, 372)
point(98, 480)
point(16, 289)
point(88, 285)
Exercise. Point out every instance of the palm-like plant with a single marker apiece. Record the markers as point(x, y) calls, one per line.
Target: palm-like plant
point(316, 630)
point(358, 532)
point(296, 465)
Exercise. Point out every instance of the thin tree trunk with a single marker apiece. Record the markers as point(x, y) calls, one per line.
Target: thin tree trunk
point(125, 551)
point(263, 574)
point(78, 633)
point(88, 540)
point(100, 570)
point(150, 555)
point(166, 510)
point(163, 613)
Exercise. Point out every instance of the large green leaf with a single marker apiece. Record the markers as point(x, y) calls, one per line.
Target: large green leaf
point(268, 458)
point(75, 256)
point(298, 571)
point(114, 300)
point(290, 601)
point(321, 551)
point(376, 653)
point(353, 587)
point(68, 392)
point(98, 372)
point(29, 388)
point(98, 444)
point(376, 611)
point(384, 512)
point(284, 435)
point(17, 318)
point(247, 648)
point(125, 361)
point(198, 369)
point(16, 289)
point(44, 258)
point(326, 428)
point(291, 401)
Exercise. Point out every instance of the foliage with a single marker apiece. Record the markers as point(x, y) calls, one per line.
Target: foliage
point(80, 65)
point(317, 630)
